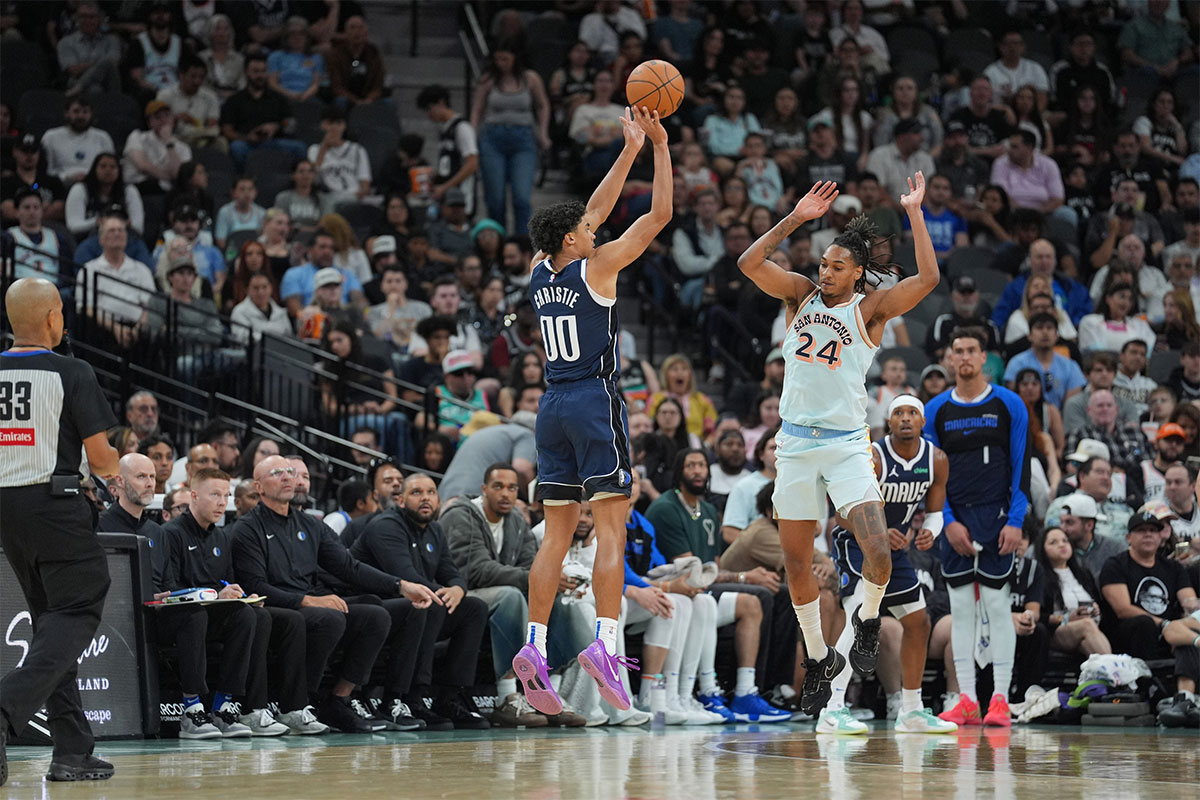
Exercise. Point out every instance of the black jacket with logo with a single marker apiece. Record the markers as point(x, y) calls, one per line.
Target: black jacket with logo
point(117, 520)
point(393, 543)
point(197, 558)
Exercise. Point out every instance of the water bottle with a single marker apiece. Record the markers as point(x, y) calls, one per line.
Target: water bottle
point(658, 703)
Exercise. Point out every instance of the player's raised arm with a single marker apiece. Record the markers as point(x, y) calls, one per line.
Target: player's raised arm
point(611, 258)
point(766, 274)
point(601, 203)
point(905, 295)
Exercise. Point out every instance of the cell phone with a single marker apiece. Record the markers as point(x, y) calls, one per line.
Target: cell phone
point(1182, 549)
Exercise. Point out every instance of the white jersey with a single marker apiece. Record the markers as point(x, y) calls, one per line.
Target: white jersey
point(826, 354)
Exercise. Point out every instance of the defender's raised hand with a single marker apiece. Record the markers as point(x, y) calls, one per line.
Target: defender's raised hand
point(816, 203)
point(648, 122)
point(916, 193)
point(634, 135)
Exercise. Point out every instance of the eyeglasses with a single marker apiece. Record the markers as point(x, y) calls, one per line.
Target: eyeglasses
point(279, 472)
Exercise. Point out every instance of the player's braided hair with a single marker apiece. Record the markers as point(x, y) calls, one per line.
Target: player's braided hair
point(551, 224)
point(859, 237)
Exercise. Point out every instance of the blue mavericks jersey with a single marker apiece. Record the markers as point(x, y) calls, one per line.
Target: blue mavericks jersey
point(903, 484)
point(579, 327)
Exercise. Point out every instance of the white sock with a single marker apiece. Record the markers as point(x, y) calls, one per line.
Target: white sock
point(671, 684)
point(537, 637)
point(505, 687)
point(708, 681)
point(872, 597)
point(647, 685)
point(606, 631)
point(809, 617)
point(687, 685)
point(998, 603)
point(747, 681)
point(910, 700)
point(962, 637)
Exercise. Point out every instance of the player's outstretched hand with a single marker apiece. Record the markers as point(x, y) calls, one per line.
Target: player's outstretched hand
point(648, 121)
point(916, 193)
point(816, 203)
point(634, 135)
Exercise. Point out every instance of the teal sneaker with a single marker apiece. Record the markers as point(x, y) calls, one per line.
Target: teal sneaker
point(840, 722)
point(922, 720)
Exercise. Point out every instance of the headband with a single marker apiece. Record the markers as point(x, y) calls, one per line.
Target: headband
point(906, 400)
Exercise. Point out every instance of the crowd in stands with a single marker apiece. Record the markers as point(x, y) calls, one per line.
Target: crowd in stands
point(218, 172)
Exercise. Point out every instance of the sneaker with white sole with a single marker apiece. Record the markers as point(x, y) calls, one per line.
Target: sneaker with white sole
point(195, 723)
point(697, 713)
point(628, 718)
point(517, 712)
point(226, 721)
point(671, 716)
point(840, 722)
point(922, 720)
point(303, 722)
point(261, 722)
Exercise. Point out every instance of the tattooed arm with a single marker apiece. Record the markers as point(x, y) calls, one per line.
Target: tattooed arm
point(769, 276)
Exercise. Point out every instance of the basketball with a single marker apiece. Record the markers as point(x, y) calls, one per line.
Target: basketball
point(657, 85)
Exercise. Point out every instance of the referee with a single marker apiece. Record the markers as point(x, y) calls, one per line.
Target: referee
point(51, 410)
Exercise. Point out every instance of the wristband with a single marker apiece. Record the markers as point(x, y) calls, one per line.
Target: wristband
point(934, 522)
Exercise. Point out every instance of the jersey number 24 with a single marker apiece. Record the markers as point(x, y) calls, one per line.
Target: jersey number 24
point(830, 352)
point(560, 336)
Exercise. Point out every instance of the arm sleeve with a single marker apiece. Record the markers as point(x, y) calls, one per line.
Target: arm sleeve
point(1018, 453)
point(633, 579)
point(250, 567)
point(931, 433)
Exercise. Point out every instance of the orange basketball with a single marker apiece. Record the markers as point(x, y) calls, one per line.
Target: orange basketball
point(657, 85)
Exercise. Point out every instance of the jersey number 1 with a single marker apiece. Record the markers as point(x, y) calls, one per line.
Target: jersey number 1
point(560, 336)
point(14, 400)
point(830, 353)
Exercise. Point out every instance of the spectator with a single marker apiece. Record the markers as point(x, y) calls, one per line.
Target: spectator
point(812, 45)
point(1071, 601)
point(258, 313)
point(29, 175)
point(847, 63)
point(141, 412)
point(570, 85)
point(178, 319)
point(1168, 449)
point(152, 157)
point(1027, 116)
point(934, 381)
point(450, 234)
point(196, 107)
point(326, 310)
point(154, 55)
point(1080, 70)
point(1061, 377)
point(761, 81)
point(1085, 135)
point(510, 443)
point(1175, 221)
point(1181, 271)
point(1044, 417)
point(850, 120)
point(595, 128)
point(677, 32)
point(38, 252)
point(1106, 230)
point(396, 318)
point(602, 28)
point(1154, 45)
point(89, 56)
point(458, 396)
point(784, 127)
point(870, 41)
point(1115, 323)
point(294, 71)
point(708, 74)
point(257, 116)
point(191, 186)
point(485, 314)
point(1012, 70)
point(825, 160)
point(946, 229)
point(72, 148)
point(356, 71)
point(298, 282)
point(845, 207)
point(724, 132)
point(1147, 603)
point(425, 369)
point(1037, 299)
point(239, 214)
point(1179, 325)
point(304, 203)
point(729, 468)
point(1031, 179)
point(1179, 491)
point(185, 227)
point(1092, 501)
point(1072, 295)
point(1127, 162)
point(114, 290)
point(458, 150)
point(907, 105)
point(528, 371)
point(1159, 131)
point(870, 194)
point(967, 310)
point(1125, 441)
point(161, 452)
point(1131, 385)
point(1184, 381)
point(742, 508)
point(343, 167)
point(348, 256)
point(226, 66)
point(678, 382)
point(987, 125)
point(1101, 371)
point(447, 302)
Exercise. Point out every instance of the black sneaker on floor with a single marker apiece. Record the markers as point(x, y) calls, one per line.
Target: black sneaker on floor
point(433, 720)
point(79, 768)
point(461, 711)
point(367, 714)
point(818, 681)
point(865, 650)
point(1181, 713)
point(400, 715)
point(337, 713)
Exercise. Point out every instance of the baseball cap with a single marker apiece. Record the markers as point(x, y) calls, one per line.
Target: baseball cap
point(906, 126)
point(1082, 505)
point(1143, 519)
point(454, 197)
point(1160, 508)
point(1088, 449)
point(186, 211)
point(457, 361)
point(932, 368)
point(383, 244)
point(327, 276)
point(776, 354)
point(29, 143)
point(818, 122)
point(1170, 429)
point(964, 285)
point(154, 106)
point(955, 126)
point(846, 204)
point(181, 261)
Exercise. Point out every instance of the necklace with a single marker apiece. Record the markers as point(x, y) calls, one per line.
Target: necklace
point(693, 511)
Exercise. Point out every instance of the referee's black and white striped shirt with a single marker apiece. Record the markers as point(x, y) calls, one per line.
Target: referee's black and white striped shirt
point(48, 405)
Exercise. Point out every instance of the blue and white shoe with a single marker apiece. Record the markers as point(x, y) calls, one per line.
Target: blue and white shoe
point(716, 704)
point(753, 708)
point(840, 722)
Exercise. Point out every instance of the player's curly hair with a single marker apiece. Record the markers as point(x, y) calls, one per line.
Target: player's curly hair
point(859, 237)
point(549, 225)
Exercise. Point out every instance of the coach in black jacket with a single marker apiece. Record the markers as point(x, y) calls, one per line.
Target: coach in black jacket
point(278, 552)
point(406, 542)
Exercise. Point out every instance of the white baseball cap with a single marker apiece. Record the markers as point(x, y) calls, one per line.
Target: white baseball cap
point(1088, 449)
point(1082, 505)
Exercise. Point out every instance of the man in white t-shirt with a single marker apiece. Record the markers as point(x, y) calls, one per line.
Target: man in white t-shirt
point(343, 167)
point(1012, 71)
point(1180, 494)
point(70, 149)
point(152, 157)
point(196, 107)
point(742, 508)
point(118, 306)
point(729, 468)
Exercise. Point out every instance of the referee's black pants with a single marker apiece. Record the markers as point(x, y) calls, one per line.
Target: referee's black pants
point(51, 544)
point(361, 632)
point(278, 653)
point(191, 629)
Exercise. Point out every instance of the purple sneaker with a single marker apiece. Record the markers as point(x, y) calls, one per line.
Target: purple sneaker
point(596, 662)
point(534, 674)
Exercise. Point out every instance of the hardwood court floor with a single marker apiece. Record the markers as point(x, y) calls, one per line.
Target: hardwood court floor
point(746, 762)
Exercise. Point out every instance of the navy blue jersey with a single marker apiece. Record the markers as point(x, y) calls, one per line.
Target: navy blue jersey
point(986, 442)
point(903, 484)
point(579, 327)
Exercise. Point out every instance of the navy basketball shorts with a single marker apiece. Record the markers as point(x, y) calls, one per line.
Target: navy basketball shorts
point(903, 594)
point(988, 567)
point(582, 442)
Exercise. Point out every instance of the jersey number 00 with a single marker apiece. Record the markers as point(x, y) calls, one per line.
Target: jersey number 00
point(560, 336)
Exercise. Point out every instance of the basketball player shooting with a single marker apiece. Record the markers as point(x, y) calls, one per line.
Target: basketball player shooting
point(582, 438)
point(824, 446)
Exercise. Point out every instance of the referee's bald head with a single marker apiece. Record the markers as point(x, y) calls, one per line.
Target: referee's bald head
point(34, 310)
